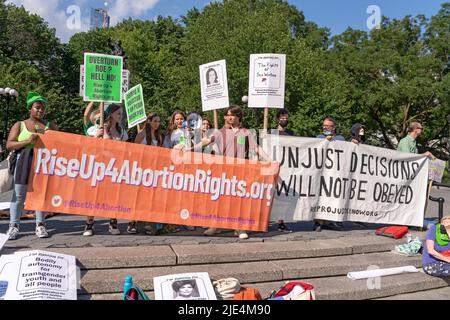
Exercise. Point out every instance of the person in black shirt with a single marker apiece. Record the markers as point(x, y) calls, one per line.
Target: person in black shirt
point(281, 129)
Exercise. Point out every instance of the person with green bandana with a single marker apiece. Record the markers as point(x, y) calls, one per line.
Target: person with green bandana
point(22, 138)
point(436, 252)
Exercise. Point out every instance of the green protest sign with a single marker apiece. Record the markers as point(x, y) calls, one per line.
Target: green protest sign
point(103, 78)
point(134, 105)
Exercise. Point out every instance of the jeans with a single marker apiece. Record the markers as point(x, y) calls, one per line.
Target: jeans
point(17, 203)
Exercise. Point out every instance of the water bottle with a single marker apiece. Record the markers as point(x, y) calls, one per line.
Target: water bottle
point(408, 237)
point(127, 286)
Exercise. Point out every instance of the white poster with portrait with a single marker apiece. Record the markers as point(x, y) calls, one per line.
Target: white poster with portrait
point(184, 286)
point(267, 80)
point(214, 85)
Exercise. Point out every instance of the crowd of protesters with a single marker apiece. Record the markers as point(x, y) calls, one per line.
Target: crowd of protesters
point(232, 140)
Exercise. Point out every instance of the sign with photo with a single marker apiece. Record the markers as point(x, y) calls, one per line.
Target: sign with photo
point(185, 286)
point(214, 85)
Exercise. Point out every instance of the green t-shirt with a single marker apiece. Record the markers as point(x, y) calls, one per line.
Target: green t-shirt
point(407, 144)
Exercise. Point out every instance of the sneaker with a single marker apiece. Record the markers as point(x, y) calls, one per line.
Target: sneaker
point(113, 229)
point(332, 226)
point(132, 227)
point(283, 227)
point(361, 224)
point(13, 231)
point(88, 230)
point(241, 234)
point(41, 232)
point(211, 231)
point(317, 227)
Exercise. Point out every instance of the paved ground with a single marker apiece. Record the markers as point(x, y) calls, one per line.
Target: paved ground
point(66, 231)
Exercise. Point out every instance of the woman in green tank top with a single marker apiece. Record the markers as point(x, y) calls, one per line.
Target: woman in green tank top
point(21, 140)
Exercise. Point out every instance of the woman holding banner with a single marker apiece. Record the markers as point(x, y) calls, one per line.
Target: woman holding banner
point(175, 132)
point(114, 130)
point(22, 138)
point(149, 133)
point(175, 135)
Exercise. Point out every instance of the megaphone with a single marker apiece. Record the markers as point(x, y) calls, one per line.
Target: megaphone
point(193, 121)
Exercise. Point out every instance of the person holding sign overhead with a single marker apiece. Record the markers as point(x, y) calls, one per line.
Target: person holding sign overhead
point(91, 121)
point(234, 141)
point(113, 130)
point(21, 140)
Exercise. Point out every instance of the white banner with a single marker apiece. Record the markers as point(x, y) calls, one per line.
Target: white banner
point(342, 181)
point(267, 81)
point(125, 81)
point(214, 85)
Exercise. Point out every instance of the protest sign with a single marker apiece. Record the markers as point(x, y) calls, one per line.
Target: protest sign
point(266, 81)
point(6, 270)
point(98, 177)
point(3, 239)
point(42, 275)
point(337, 181)
point(436, 170)
point(102, 78)
point(125, 81)
point(214, 85)
point(134, 106)
point(184, 286)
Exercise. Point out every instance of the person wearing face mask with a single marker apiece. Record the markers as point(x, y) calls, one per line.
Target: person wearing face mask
point(281, 129)
point(358, 133)
point(329, 126)
point(329, 130)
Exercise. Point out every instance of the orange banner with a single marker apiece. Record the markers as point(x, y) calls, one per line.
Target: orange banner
point(95, 177)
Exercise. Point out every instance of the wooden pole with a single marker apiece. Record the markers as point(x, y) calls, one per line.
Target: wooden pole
point(102, 114)
point(430, 186)
point(216, 120)
point(266, 118)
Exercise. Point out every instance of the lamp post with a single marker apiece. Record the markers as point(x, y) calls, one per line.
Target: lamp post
point(8, 95)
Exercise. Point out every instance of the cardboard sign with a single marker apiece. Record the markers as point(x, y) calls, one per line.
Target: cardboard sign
point(267, 81)
point(185, 286)
point(436, 170)
point(103, 78)
point(41, 275)
point(214, 85)
point(134, 106)
point(125, 81)
point(75, 174)
point(342, 181)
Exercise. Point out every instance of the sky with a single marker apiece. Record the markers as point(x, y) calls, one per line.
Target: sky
point(71, 16)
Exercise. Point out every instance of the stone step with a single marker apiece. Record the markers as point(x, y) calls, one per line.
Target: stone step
point(343, 288)
point(396, 287)
point(149, 256)
point(111, 281)
point(435, 294)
